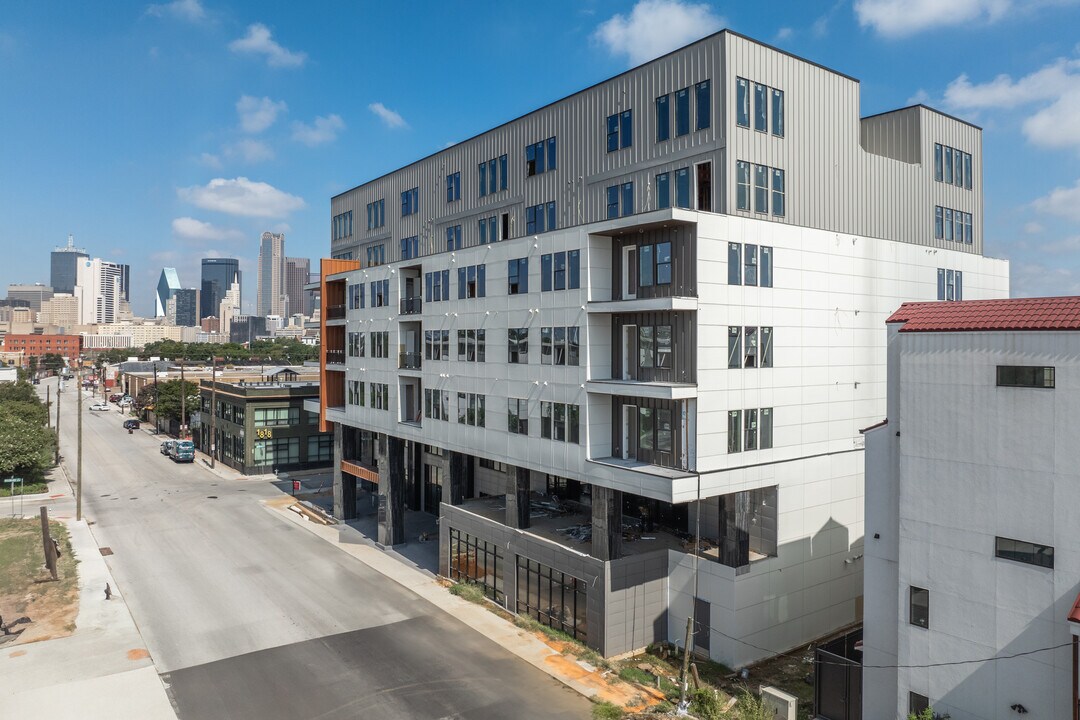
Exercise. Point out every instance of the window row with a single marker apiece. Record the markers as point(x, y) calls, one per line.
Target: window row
point(471, 345)
point(654, 346)
point(356, 296)
point(950, 284)
point(559, 345)
point(952, 166)
point(492, 176)
point(703, 117)
point(376, 214)
point(744, 350)
point(489, 230)
point(376, 255)
point(436, 344)
point(453, 238)
point(768, 102)
point(750, 429)
point(560, 421)
point(682, 189)
point(560, 271)
point(540, 157)
point(273, 417)
point(380, 293)
point(750, 265)
point(437, 286)
point(767, 182)
point(342, 225)
point(380, 344)
point(410, 247)
point(470, 409)
point(472, 281)
point(620, 130)
point(540, 218)
point(437, 404)
point(654, 264)
point(952, 225)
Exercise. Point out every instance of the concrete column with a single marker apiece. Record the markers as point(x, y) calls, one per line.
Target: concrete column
point(340, 507)
point(517, 497)
point(392, 493)
point(606, 523)
point(459, 478)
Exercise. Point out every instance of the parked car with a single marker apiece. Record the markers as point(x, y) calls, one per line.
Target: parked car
point(183, 451)
point(100, 406)
point(115, 397)
point(131, 424)
point(126, 401)
point(37, 381)
point(166, 447)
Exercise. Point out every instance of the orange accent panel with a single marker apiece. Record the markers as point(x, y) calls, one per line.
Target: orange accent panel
point(331, 293)
point(359, 471)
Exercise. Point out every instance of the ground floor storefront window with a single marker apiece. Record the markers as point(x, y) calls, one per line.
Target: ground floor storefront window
point(554, 598)
point(477, 561)
point(278, 451)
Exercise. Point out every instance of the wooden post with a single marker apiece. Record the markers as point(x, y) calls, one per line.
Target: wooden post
point(57, 458)
point(78, 461)
point(46, 541)
point(48, 404)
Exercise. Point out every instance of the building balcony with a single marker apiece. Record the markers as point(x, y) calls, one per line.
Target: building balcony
point(335, 357)
point(636, 388)
point(411, 305)
point(357, 470)
point(335, 312)
point(653, 304)
point(410, 360)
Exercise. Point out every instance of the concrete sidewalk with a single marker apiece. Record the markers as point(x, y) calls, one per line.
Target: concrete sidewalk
point(577, 675)
point(101, 671)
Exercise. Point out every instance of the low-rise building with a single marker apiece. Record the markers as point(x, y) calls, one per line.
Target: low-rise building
point(68, 346)
point(972, 557)
point(261, 425)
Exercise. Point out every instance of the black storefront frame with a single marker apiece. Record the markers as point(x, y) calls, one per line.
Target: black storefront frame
point(572, 596)
point(480, 550)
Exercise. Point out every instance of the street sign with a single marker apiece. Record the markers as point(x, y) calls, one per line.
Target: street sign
point(11, 482)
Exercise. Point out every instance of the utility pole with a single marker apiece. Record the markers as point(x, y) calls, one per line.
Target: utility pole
point(213, 408)
point(78, 462)
point(685, 662)
point(59, 385)
point(48, 404)
point(47, 542)
point(157, 424)
point(183, 400)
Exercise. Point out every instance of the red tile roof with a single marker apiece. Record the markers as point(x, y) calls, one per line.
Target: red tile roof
point(1050, 313)
point(1074, 615)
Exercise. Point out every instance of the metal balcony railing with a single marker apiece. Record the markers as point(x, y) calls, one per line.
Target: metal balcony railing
point(411, 305)
point(335, 356)
point(410, 360)
point(335, 312)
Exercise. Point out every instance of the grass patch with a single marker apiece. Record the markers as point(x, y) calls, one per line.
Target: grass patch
point(26, 589)
point(30, 488)
point(469, 591)
point(605, 710)
point(634, 674)
point(574, 647)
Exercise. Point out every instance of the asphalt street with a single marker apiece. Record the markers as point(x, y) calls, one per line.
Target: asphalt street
point(249, 616)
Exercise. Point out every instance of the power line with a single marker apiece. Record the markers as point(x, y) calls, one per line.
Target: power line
point(774, 654)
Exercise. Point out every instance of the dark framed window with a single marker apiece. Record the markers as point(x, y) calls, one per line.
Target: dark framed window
point(742, 185)
point(517, 416)
point(703, 98)
point(778, 113)
point(551, 597)
point(919, 601)
point(682, 187)
point(517, 340)
point(742, 102)
point(761, 111)
point(477, 561)
point(663, 191)
point(1024, 552)
point(682, 112)
point(517, 276)
point(453, 187)
point(663, 118)
point(1025, 376)
point(734, 429)
point(917, 703)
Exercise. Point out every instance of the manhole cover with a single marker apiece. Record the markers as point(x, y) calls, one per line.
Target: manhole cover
point(211, 497)
point(106, 550)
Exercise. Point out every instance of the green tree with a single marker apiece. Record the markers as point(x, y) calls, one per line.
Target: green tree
point(51, 362)
point(167, 401)
point(32, 365)
point(26, 442)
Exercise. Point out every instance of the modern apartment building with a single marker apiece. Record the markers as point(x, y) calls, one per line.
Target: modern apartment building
point(270, 299)
point(972, 505)
point(623, 345)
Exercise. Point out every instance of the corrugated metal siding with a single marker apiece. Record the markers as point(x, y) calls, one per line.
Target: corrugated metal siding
point(683, 346)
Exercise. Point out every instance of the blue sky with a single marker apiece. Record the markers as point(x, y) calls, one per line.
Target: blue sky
point(159, 134)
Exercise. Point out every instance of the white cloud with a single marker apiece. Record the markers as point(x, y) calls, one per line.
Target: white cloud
point(259, 41)
point(921, 97)
point(655, 27)
point(1055, 87)
point(1070, 245)
point(190, 10)
point(388, 116)
point(784, 33)
point(188, 228)
point(241, 196)
point(257, 114)
point(321, 131)
point(1033, 228)
point(1063, 202)
point(249, 151)
point(896, 18)
point(210, 160)
point(1037, 280)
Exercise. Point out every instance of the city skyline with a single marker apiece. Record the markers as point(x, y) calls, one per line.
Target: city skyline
point(257, 126)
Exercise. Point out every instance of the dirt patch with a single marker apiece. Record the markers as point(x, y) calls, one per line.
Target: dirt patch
point(792, 672)
point(138, 654)
point(26, 588)
point(280, 503)
point(17, 653)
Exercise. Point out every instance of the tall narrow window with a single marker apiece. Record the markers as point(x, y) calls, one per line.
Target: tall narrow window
point(778, 113)
point(778, 192)
point(734, 348)
point(940, 283)
point(627, 199)
point(958, 171)
point(766, 267)
point(545, 346)
point(560, 271)
point(939, 169)
point(703, 98)
point(545, 273)
point(734, 431)
point(948, 224)
point(573, 260)
point(663, 118)
point(750, 266)
point(750, 431)
point(612, 133)
point(612, 201)
point(682, 112)
point(552, 154)
point(663, 346)
point(761, 189)
point(750, 358)
point(645, 266)
point(742, 102)
point(766, 346)
point(483, 179)
point(663, 191)
point(734, 264)
point(967, 171)
point(920, 607)
point(682, 187)
point(761, 110)
point(939, 222)
point(742, 185)
point(967, 229)
point(626, 129)
point(948, 165)
point(646, 350)
point(663, 263)
point(765, 433)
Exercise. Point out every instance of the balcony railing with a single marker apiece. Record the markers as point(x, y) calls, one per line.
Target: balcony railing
point(335, 356)
point(335, 312)
point(410, 360)
point(411, 305)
